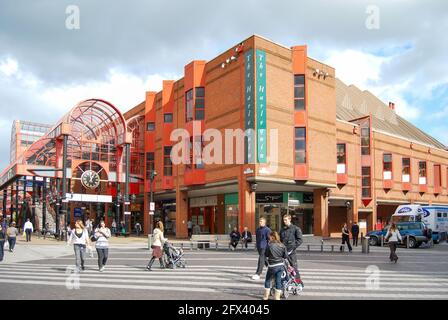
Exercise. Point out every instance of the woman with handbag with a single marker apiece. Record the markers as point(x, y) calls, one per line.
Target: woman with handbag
point(101, 236)
point(393, 236)
point(80, 239)
point(156, 247)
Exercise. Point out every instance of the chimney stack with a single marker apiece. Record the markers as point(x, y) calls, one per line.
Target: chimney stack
point(392, 105)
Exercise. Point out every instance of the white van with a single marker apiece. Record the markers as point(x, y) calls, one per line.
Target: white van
point(434, 217)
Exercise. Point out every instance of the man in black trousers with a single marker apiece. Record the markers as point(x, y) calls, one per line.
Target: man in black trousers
point(262, 239)
point(355, 233)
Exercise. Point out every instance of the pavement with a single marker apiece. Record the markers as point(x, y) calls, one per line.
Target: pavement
point(44, 271)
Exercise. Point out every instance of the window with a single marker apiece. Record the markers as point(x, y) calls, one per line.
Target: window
point(300, 145)
point(406, 170)
point(387, 166)
point(341, 158)
point(199, 104)
point(167, 164)
point(149, 164)
point(168, 118)
point(299, 92)
point(422, 172)
point(437, 175)
point(365, 138)
point(366, 184)
point(150, 126)
point(196, 163)
point(189, 105)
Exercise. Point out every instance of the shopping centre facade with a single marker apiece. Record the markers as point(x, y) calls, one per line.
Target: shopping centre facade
point(325, 152)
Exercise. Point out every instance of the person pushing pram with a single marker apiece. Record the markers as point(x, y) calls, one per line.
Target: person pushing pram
point(291, 237)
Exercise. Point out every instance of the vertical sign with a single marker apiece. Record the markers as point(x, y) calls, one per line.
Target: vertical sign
point(249, 106)
point(261, 105)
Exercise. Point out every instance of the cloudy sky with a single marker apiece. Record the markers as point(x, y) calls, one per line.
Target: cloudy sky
point(124, 48)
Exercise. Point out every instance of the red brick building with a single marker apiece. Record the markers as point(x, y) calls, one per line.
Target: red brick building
point(343, 153)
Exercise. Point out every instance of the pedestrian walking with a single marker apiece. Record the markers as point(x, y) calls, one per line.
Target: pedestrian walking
point(291, 237)
point(246, 237)
point(12, 234)
point(80, 240)
point(89, 227)
point(114, 227)
point(190, 228)
point(262, 240)
point(157, 245)
point(276, 253)
point(393, 236)
point(2, 242)
point(355, 233)
point(28, 229)
point(345, 237)
point(235, 237)
point(101, 236)
point(138, 228)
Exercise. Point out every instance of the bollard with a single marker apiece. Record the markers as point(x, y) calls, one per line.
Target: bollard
point(365, 245)
point(149, 241)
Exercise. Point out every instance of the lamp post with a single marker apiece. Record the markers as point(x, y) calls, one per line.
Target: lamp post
point(152, 176)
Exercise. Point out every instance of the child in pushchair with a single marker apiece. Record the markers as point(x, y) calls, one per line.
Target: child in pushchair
point(173, 256)
point(291, 281)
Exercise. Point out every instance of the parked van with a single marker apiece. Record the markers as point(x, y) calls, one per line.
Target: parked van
point(434, 217)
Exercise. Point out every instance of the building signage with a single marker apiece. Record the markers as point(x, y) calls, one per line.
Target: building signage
point(77, 213)
point(152, 206)
point(203, 202)
point(88, 198)
point(261, 106)
point(249, 106)
point(269, 198)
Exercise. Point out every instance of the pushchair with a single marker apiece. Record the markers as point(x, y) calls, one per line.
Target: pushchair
point(291, 282)
point(173, 256)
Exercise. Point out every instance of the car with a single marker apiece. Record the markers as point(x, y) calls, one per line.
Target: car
point(417, 231)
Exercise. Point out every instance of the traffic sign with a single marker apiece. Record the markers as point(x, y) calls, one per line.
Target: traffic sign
point(152, 206)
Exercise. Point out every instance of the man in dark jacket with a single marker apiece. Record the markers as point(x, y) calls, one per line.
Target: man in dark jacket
point(355, 233)
point(291, 237)
point(262, 239)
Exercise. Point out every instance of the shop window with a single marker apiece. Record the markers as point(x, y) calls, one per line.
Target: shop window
point(149, 164)
point(406, 170)
point(299, 92)
point(437, 175)
point(300, 145)
point(168, 118)
point(150, 126)
point(189, 105)
point(422, 172)
point(341, 158)
point(366, 182)
point(167, 164)
point(387, 166)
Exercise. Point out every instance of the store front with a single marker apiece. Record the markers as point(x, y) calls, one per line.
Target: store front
point(273, 206)
point(202, 213)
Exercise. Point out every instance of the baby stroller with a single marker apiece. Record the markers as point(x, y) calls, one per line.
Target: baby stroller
point(173, 256)
point(291, 282)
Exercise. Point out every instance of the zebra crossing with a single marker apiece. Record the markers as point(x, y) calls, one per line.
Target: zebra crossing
point(208, 276)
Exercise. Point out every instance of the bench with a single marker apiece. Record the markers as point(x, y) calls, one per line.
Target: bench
point(202, 240)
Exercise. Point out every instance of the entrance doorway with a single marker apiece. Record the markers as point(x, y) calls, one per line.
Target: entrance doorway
point(204, 217)
point(273, 214)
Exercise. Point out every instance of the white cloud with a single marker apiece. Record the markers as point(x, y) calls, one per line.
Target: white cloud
point(9, 67)
point(356, 67)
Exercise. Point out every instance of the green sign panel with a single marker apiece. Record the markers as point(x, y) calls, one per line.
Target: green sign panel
point(261, 106)
point(249, 104)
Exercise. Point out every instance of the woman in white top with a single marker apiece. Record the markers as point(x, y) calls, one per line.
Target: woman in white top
point(102, 234)
point(393, 236)
point(80, 239)
point(156, 247)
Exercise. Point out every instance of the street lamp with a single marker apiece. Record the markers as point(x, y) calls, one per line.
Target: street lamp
point(152, 175)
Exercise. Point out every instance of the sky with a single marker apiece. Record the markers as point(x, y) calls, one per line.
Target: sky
point(395, 49)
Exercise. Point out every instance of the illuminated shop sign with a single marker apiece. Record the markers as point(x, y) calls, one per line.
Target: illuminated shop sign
point(261, 106)
point(249, 105)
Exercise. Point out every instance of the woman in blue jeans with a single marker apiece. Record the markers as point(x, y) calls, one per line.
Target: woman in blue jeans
point(276, 254)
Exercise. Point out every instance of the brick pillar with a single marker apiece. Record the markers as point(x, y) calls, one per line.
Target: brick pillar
point(320, 213)
point(181, 214)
